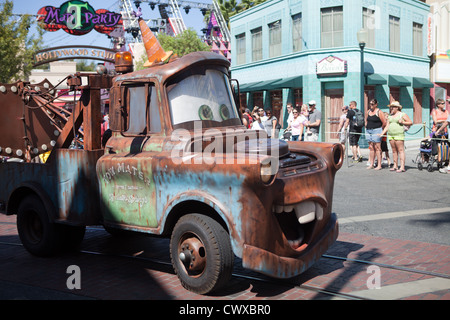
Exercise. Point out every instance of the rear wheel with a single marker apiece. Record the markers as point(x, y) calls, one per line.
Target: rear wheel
point(201, 253)
point(38, 235)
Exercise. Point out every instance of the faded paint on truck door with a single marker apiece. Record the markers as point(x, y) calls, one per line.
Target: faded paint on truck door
point(128, 190)
point(126, 177)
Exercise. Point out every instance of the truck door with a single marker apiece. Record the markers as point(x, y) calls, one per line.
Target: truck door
point(125, 174)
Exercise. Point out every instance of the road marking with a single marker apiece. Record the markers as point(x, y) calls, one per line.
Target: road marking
point(392, 215)
point(403, 290)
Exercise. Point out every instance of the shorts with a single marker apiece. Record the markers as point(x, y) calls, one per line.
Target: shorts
point(343, 136)
point(353, 137)
point(374, 135)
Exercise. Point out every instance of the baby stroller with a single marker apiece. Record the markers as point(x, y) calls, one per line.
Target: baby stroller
point(286, 136)
point(433, 150)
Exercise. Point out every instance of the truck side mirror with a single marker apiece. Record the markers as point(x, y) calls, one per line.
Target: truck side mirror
point(236, 92)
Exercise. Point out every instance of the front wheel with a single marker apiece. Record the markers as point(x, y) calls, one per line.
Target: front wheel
point(201, 253)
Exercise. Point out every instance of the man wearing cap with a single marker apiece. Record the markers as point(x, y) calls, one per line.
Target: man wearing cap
point(313, 124)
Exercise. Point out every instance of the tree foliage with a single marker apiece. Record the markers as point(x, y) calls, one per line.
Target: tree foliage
point(231, 7)
point(183, 43)
point(16, 46)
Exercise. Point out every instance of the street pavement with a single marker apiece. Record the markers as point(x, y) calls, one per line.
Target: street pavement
point(386, 218)
point(412, 205)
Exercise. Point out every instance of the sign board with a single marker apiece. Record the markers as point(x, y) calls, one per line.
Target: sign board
point(443, 67)
point(430, 35)
point(70, 52)
point(78, 18)
point(331, 65)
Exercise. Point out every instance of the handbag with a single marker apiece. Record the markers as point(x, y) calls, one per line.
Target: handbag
point(405, 128)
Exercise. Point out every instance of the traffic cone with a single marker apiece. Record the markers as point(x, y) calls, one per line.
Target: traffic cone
point(155, 52)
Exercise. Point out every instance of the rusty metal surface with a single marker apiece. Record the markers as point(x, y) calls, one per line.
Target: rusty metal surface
point(68, 183)
point(31, 124)
point(26, 126)
point(279, 222)
point(147, 182)
point(146, 189)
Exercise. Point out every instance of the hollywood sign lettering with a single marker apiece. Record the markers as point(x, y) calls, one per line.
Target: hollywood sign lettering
point(68, 52)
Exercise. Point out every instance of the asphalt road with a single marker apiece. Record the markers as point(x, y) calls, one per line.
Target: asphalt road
point(413, 205)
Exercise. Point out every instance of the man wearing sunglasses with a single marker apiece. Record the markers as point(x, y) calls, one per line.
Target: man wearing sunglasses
point(313, 124)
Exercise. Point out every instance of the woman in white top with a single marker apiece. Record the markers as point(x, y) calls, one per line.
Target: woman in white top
point(296, 125)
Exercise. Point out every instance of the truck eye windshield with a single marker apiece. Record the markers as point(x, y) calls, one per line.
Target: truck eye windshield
point(202, 97)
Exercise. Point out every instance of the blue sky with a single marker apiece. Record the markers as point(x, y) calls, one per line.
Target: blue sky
point(60, 38)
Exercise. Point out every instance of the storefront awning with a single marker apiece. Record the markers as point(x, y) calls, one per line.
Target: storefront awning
point(246, 86)
point(422, 83)
point(374, 79)
point(291, 82)
point(264, 85)
point(398, 81)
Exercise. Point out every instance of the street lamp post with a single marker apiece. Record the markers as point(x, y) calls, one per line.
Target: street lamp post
point(362, 36)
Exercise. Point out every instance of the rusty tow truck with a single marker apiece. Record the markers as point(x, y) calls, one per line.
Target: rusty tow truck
point(179, 164)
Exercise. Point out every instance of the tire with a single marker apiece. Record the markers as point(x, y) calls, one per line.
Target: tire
point(38, 235)
point(430, 167)
point(201, 253)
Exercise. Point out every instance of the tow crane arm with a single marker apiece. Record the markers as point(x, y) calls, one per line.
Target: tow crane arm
point(33, 124)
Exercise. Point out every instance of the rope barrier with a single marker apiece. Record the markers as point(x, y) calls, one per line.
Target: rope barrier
point(387, 136)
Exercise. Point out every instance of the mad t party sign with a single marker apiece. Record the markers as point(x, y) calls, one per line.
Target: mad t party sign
point(78, 18)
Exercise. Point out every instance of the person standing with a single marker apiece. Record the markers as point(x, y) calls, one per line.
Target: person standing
point(247, 119)
point(396, 134)
point(296, 125)
point(290, 110)
point(441, 131)
point(270, 123)
point(375, 123)
point(257, 124)
point(439, 115)
point(342, 129)
point(315, 118)
point(354, 131)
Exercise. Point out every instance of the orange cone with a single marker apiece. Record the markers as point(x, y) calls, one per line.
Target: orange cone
point(154, 50)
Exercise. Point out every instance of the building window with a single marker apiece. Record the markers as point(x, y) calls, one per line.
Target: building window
point(297, 32)
point(332, 34)
point(276, 98)
point(298, 98)
point(256, 44)
point(275, 39)
point(240, 48)
point(394, 34)
point(369, 23)
point(417, 39)
point(258, 100)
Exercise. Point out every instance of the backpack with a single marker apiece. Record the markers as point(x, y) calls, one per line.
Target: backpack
point(249, 120)
point(358, 119)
